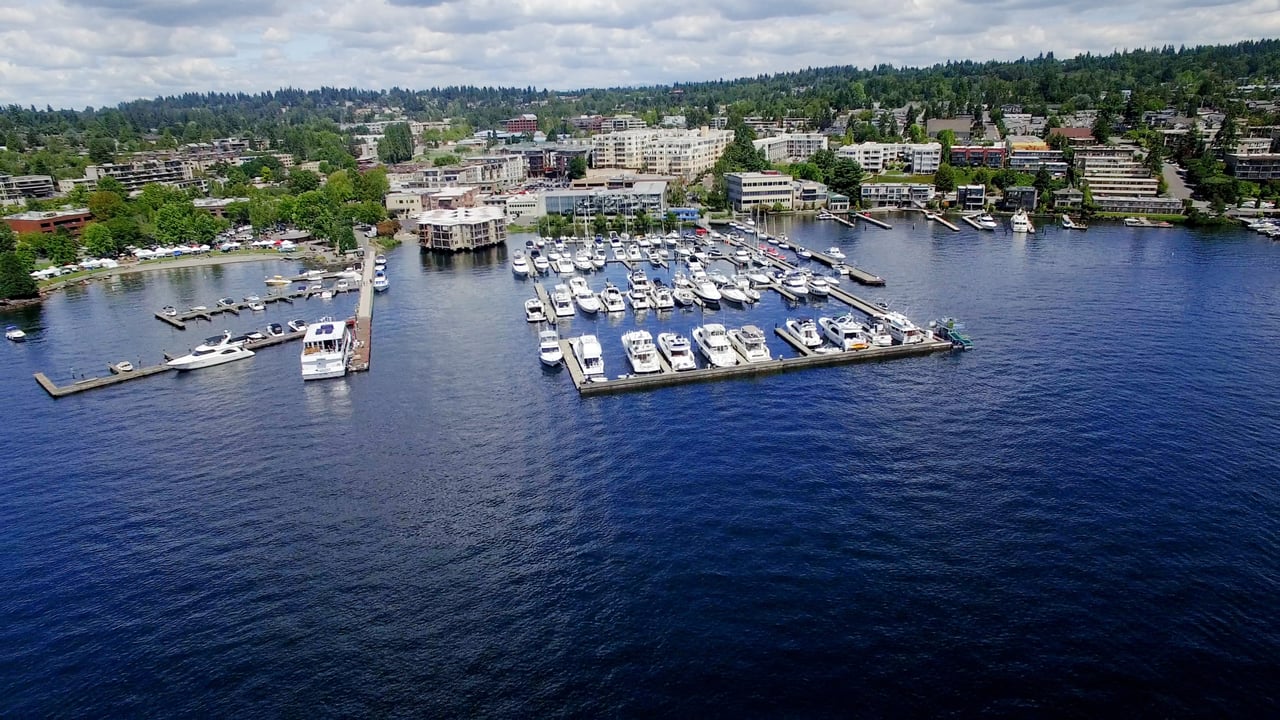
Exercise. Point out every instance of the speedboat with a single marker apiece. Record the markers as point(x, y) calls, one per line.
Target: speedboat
point(903, 331)
point(380, 282)
point(15, 333)
point(834, 253)
point(586, 348)
point(549, 351)
point(749, 340)
point(986, 222)
point(819, 286)
point(1020, 223)
point(582, 260)
point(641, 352)
point(633, 253)
point(562, 301)
point(743, 283)
point(611, 299)
point(654, 259)
point(226, 302)
point(676, 349)
point(348, 274)
point(380, 259)
point(275, 329)
point(683, 296)
point(564, 265)
point(947, 329)
point(844, 332)
point(298, 325)
point(342, 285)
point(534, 311)
point(278, 280)
point(257, 306)
point(519, 265)
point(541, 265)
point(326, 350)
point(733, 294)
point(804, 330)
point(169, 311)
point(714, 344)
point(796, 283)
point(213, 351)
point(742, 255)
point(582, 295)
point(706, 291)
point(123, 366)
point(662, 298)
point(803, 253)
point(598, 259)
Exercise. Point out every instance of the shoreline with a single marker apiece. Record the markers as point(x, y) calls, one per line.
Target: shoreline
point(178, 264)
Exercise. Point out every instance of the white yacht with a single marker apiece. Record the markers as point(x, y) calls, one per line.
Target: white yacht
point(582, 260)
point(534, 311)
point(342, 285)
point(733, 294)
point(633, 253)
point(796, 283)
point(611, 299)
point(637, 280)
point(706, 290)
point(519, 264)
point(598, 259)
point(213, 351)
point(541, 264)
point(806, 331)
point(639, 299)
point(662, 298)
point(878, 333)
point(675, 348)
point(586, 348)
point(834, 253)
point(564, 265)
point(986, 222)
point(297, 325)
point(844, 333)
point(714, 344)
point(683, 296)
point(903, 331)
point(819, 286)
point(1020, 223)
point(749, 340)
point(15, 333)
point(562, 301)
point(380, 282)
point(326, 349)
point(582, 295)
point(549, 351)
point(641, 352)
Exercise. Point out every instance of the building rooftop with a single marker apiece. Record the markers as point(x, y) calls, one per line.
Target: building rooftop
point(47, 214)
point(461, 216)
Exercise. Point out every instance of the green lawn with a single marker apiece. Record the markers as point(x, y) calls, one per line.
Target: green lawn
point(898, 178)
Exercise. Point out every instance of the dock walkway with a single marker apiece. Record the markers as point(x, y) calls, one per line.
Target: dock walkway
point(364, 314)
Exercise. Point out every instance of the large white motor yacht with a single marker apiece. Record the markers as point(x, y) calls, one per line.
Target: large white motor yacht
point(213, 351)
point(806, 331)
point(582, 295)
point(641, 352)
point(713, 341)
point(549, 351)
point(611, 299)
point(662, 298)
point(844, 333)
point(326, 349)
point(519, 264)
point(986, 222)
point(1020, 223)
point(534, 311)
point(749, 340)
point(903, 331)
point(562, 301)
point(676, 349)
point(586, 348)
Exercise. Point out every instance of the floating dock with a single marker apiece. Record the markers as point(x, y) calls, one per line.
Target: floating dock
point(943, 221)
point(878, 223)
point(359, 361)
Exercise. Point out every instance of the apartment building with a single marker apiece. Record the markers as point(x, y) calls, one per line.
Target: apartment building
point(918, 158)
point(526, 123)
point(134, 175)
point(991, 156)
point(622, 149)
point(749, 190)
point(685, 153)
point(15, 189)
point(896, 194)
point(1119, 183)
point(620, 123)
point(1257, 166)
point(791, 147)
point(462, 228)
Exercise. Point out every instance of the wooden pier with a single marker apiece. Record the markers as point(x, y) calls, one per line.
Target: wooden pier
point(878, 223)
point(844, 221)
point(360, 358)
point(545, 299)
point(860, 276)
point(936, 217)
point(180, 320)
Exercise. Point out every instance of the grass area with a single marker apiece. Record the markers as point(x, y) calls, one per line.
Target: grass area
point(1150, 216)
point(898, 178)
point(81, 274)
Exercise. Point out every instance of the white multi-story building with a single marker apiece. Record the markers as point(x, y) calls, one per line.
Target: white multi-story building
point(791, 147)
point(622, 149)
point(134, 175)
point(749, 190)
point(462, 228)
point(921, 158)
point(896, 194)
point(674, 152)
point(15, 189)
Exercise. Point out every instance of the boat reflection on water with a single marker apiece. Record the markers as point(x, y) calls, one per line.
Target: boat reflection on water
point(328, 398)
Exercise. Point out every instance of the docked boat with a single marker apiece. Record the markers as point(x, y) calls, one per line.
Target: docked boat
point(541, 264)
point(257, 306)
point(564, 265)
point(1069, 224)
point(676, 349)
point(380, 282)
point(598, 259)
point(534, 310)
point(641, 352)
point(986, 222)
point(683, 296)
point(637, 280)
point(275, 330)
point(819, 286)
point(903, 331)
point(213, 351)
point(297, 325)
point(796, 283)
point(662, 298)
point(733, 294)
point(562, 301)
point(277, 280)
point(342, 285)
point(226, 302)
point(15, 333)
point(582, 295)
point(380, 259)
point(834, 253)
point(326, 350)
point(519, 265)
point(878, 333)
point(633, 253)
point(582, 260)
point(169, 311)
point(348, 274)
point(713, 342)
point(123, 366)
point(1020, 223)
point(948, 330)
point(844, 332)
point(611, 299)
point(639, 299)
point(803, 253)
point(749, 341)
point(549, 352)
point(804, 330)
point(586, 348)
point(706, 291)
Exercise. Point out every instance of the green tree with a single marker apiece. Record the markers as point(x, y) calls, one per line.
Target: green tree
point(846, 177)
point(110, 184)
point(946, 138)
point(15, 277)
point(945, 178)
point(102, 150)
point(98, 241)
point(301, 181)
point(446, 160)
point(577, 167)
point(642, 222)
point(125, 231)
point(172, 223)
point(262, 212)
point(372, 186)
point(7, 239)
point(1043, 181)
point(340, 187)
point(105, 205)
point(600, 224)
point(396, 145)
point(369, 213)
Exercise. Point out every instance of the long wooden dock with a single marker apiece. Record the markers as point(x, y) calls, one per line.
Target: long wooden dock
point(362, 355)
point(545, 299)
point(865, 217)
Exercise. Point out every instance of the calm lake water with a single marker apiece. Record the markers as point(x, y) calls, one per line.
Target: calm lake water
point(1079, 517)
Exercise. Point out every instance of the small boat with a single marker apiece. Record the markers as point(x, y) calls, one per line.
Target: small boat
point(326, 350)
point(15, 333)
point(123, 366)
point(380, 282)
point(819, 286)
point(562, 301)
point(803, 254)
point(948, 330)
point(633, 253)
point(275, 329)
point(586, 348)
point(733, 294)
point(582, 295)
point(749, 341)
point(706, 291)
point(713, 342)
point(611, 298)
point(380, 259)
point(257, 305)
point(226, 302)
point(549, 352)
point(844, 332)
point(598, 259)
point(1069, 224)
point(278, 280)
point(683, 296)
point(297, 325)
point(796, 283)
point(564, 265)
point(903, 331)
point(519, 265)
point(213, 351)
point(582, 260)
point(348, 274)
point(805, 330)
point(534, 310)
point(986, 222)
point(655, 259)
point(662, 298)
point(834, 253)
point(541, 264)
point(676, 349)
point(878, 333)
point(641, 352)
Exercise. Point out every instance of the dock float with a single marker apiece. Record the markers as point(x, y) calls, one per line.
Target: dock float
point(844, 221)
point(545, 299)
point(969, 219)
point(364, 315)
point(943, 221)
point(867, 218)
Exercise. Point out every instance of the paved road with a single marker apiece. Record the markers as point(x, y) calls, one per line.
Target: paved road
point(1177, 188)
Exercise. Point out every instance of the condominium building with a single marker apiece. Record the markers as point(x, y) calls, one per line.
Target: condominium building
point(978, 156)
point(1254, 167)
point(686, 153)
point(619, 123)
point(749, 190)
point(896, 194)
point(649, 196)
point(527, 123)
point(791, 147)
point(1113, 173)
point(15, 189)
point(217, 206)
point(462, 228)
point(134, 175)
point(919, 158)
point(623, 149)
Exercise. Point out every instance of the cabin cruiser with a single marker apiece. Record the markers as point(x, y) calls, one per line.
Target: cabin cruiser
point(903, 331)
point(986, 222)
point(226, 302)
point(611, 299)
point(598, 259)
point(297, 325)
point(682, 296)
point(520, 265)
point(586, 348)
point(534, 311)
point(641, 352)
point(541, 264)
point(749, 341)
point(562, 301)
point(714, 344)
point(878, 333)
point(277, 280)
point(582, 295)
point(582, 260)
point(742, 255)
point(806, 331)
point(380, 259)
point(637, 280)
point(564, 265)
point(342, 285)
point(549, 351)
point(834, 253)
point(1020, 223)
point(676, 349)
point(639, 299)
point(275, 330)
point(743, 283)
point(662, 298)
point(733, 294)
point(326, 350)
point(819, 286)
point(348, 274)
point(213, 351)
point(257, 305)
point(380, 282)
point(654, 258)
point(844, 332)
point(633, 253)
point(15, 333)
point(802, 253)
point(796, 283)
point(706, 290)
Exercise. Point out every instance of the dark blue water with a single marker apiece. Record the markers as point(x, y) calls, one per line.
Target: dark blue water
point(1079, 517)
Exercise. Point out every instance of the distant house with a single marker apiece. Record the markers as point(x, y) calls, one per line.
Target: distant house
point(1020, 197)
point(1068, 198)
point(971, 197)
point(960, 125)
point(1076, 136)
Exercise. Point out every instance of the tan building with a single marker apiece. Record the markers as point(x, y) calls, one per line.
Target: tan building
point(462, 229)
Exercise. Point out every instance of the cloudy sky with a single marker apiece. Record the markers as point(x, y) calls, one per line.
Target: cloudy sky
point(75, 53)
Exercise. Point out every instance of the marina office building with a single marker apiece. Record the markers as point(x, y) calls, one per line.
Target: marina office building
point(649, 195)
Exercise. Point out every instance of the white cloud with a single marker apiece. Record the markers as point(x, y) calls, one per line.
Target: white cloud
point(108, 51)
